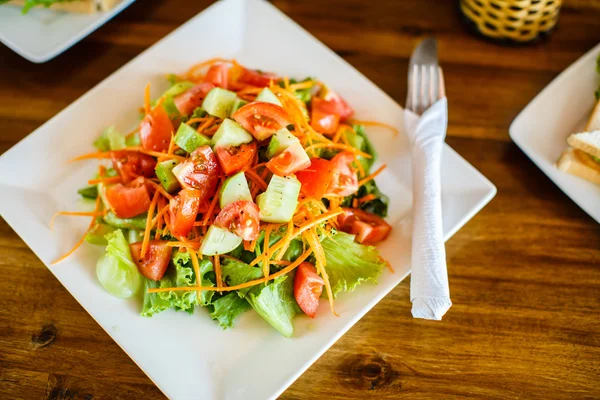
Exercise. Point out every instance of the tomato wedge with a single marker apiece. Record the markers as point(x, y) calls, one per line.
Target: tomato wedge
point(316, 178)
point(240, 217)
point(191, 99)
point(130, 164)
point(339, 106)
point(323, 117)
point(156, 129)
point(218, 75)
point(199, 172)
point(344, 181)
point(154, 265)
point(262, 119)
point(128, 200)
point(184, 209)
point(235, 159)
point(308, 286)
point(287, 163)
point(368, 228)
point(257, 78)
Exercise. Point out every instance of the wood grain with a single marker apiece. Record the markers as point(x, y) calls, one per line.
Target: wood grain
point(524, 273)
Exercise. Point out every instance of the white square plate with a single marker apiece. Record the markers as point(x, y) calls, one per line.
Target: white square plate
point(42, 34)
point(197, 359)
point(562, 108)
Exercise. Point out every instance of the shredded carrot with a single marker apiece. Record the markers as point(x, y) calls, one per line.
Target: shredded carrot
point(256, 179)
point(287, 239)
point(279, 262)
point(372, 176)
point(80, 242)
point(194, 120)
point(189, 245)
point(375, 123)
point(266, 244)
point(286, 82)
point(146, 240)
point(366, 198)
point(217, 267)
point(253, 245)
point(302, 85)
point(338, 146)
point(277, 274)
point(107, 180)
point(324, 217)
point(155, 153)
point(354, 203)
point(75, 214)
point(206, 124)
point(213, 204)
point(196, 266)
point(313, 240)
point(359, 166)
point(160, 189)
point(192, 72)
point(147, 107)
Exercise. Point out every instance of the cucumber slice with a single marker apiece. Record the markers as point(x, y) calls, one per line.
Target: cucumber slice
point(189, 139)
point(268, 97)
point(237, 104)
point(219, 241)
point(219, 102)
point(281, 140)
point(134, 236)
point(164, 172)
point(138, 222)
point(230, 134)
point(279, 202)
point(235, 188)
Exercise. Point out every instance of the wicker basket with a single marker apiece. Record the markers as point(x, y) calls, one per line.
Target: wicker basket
point(516, 20)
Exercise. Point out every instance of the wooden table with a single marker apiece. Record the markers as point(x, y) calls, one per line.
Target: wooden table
point(524, 273)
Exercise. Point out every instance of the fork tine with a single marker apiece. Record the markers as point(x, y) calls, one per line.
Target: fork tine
point(432, 86)
point(414, 89)
point(423, 90)
point(441, 85)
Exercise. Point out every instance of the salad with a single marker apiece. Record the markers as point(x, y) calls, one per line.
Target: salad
point(238, 190)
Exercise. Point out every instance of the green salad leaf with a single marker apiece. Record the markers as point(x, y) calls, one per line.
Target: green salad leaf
point(275, 302)
point(89, 192)
point(350, 263)
point(235, 273)
point(29, 4)
point(153, 303)
point(138, 222)
point(116, 270)
point(227, 308)
point(379, 205)
point(97, 235)
point(110, 139)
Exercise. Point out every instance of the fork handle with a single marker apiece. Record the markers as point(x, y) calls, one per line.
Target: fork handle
point(429, 291)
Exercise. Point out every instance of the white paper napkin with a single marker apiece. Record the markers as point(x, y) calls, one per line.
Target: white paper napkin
point(429, 291)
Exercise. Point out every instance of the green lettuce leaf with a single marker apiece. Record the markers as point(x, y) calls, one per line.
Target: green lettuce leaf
point(97, 235)
point(350, 263)
point(153, 302)
point(235, 273)
point(379, 205)
point(116, 270)
point(110, 139)
point(276, 304)
point(29, 4)
point(89, 192)
point(227, 308)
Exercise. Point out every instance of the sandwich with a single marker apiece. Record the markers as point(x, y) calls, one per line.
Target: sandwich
point(582, 158)
point(76, 6)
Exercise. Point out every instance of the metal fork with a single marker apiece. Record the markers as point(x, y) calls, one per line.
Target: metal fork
point(425, 87)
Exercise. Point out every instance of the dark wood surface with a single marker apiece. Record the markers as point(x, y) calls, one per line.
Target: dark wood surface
point(524, 272)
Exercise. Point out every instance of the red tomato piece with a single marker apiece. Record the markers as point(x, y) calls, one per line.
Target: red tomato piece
point(287, 163)
point(200, 172)
point(218, 75)
point(191, 99)
point(184, 209)
point(256, 78)
point(323, 117)
point(236, 159)
point(156, 129)
point(128, 200)
point(344, 181)
point(341, 108)
point(240, 217)
point(262, 119)
point(308, 286)
point(154, 265)
point(130, 164)
point(316, 178)
point(368, 228)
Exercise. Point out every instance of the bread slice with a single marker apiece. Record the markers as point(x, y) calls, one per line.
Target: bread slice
point(579, 163)
point(594, 121)
point(588, 142)
point(78, 6)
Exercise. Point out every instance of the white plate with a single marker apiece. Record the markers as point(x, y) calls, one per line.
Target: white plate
point(42, 34)
point(195, 358)
point(562, 108)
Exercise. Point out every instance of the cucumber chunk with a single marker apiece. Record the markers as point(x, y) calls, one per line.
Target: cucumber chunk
point(237, 104)
point(189, 139)
point(219, 241)
point(231, 134)
point(235, 188)
point(279, 202)
point(268, 97)
point(219, 102)
point(281, 140)
point(164, 172)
